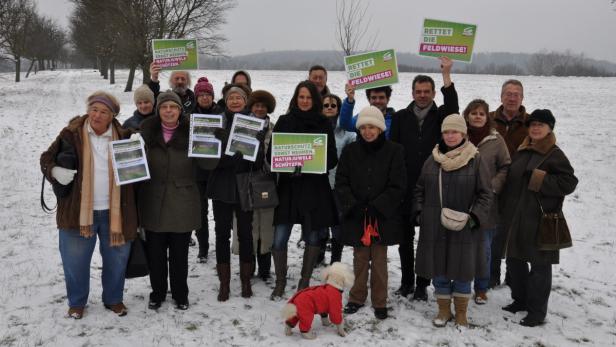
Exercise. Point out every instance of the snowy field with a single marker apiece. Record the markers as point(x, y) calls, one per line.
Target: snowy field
point(582, 309)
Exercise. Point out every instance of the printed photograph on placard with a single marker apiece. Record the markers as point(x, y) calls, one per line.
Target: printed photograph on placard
point(129, 161)
point(242, 137)
point(202, 142)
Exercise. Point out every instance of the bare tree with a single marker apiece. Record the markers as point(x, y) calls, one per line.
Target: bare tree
point(352, 26)
point(16, 22)
point(117, 31)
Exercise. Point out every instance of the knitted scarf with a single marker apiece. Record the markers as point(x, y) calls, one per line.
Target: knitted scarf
point(455, 158)
point(86, 209)
point(476, 135)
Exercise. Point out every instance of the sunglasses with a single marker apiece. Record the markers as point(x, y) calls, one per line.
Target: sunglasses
point(330, 106)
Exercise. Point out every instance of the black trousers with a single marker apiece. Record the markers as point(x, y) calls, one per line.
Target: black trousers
point(157, 246)
point(498, 245)
point(406, 249)
point(223, 217)
point(203, 234)
point(530, 286)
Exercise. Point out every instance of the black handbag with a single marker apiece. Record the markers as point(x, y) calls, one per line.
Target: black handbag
point(66, 158)
point(257, 190)
point(137, 265)
point(553, 231)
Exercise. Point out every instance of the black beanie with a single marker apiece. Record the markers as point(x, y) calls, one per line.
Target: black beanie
point(543, 116)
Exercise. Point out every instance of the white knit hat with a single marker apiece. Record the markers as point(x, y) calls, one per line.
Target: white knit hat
point(454, 122)
point(371, 115)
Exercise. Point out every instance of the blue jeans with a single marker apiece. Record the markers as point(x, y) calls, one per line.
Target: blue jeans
point(482, 283)
point(76, 252)
point(282, 232)
point(445, 286)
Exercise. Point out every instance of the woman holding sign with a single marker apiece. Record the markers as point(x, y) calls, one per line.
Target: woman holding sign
point(169, 203)
point(222, 189)
point(78, 164)
point(305, 199)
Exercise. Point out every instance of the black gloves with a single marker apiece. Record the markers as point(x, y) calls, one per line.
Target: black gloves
point(237, 156)
point(261, 135)
point(222, 134)
point(297, 172)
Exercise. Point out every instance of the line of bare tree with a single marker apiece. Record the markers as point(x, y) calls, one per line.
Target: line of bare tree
point(119, 32)
point(24, 34)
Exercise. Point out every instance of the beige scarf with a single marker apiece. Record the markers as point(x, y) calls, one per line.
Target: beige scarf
point(456, 158)
point(86, 209)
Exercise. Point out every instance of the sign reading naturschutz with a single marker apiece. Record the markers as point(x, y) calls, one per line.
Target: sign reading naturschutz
point(176, 54)
point(297, 149)
point(449, 39)
point(371, 70)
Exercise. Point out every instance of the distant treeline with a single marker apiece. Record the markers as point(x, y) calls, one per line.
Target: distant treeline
point(538, 64)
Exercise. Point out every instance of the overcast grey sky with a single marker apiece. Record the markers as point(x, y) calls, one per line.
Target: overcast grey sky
point(528, 26)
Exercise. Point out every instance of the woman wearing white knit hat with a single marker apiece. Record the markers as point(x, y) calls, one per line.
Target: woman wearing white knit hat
point(452, 199)
point(370, 185)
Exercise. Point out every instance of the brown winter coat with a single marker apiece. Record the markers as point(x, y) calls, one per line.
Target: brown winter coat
point(458, 255)
point(513, 131)
point(520, 212)
point(170, 200)
point(494, 153)
point(67, 215)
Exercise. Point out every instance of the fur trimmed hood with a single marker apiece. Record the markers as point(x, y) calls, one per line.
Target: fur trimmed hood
point(543, 146)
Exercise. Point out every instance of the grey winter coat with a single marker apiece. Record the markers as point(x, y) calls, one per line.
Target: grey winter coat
point(494, 153)
point(170, 200)
point(457, 255)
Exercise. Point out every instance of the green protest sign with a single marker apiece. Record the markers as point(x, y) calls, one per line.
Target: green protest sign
point(176, 54)
point(295, 149)
point(371, 70)
point(449, 39)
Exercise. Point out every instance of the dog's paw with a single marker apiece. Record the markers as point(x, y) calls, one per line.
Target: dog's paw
point(288, 330)
point(341, 331)
point(309, 335)
point(325, 321)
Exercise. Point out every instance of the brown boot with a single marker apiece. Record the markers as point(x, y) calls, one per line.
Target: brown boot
point(246, 271)
point(280, 267)
point(461, 304)
point(311, 254)
point(444, 312)
point(224, 275)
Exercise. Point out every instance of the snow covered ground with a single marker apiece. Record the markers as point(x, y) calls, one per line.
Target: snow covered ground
point(582, 308)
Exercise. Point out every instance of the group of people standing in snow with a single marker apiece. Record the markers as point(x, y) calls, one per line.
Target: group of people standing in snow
point(388, 172)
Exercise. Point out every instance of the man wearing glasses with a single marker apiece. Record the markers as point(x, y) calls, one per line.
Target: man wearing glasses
point(509, 119)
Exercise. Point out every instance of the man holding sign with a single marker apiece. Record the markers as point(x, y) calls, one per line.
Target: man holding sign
point(179, 81)
point(418, 128)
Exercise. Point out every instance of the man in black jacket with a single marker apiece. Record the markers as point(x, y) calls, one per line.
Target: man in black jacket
point(179, 81)
point(418, 128)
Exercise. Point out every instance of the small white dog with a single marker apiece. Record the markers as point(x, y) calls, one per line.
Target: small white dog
point(325, 300)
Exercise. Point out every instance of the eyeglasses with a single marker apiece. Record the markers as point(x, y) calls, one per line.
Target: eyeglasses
point(330, 106)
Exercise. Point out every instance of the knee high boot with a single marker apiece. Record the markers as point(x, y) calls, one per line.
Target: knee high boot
point(311, 254)
point(246, 271)
point(280, 267)
point(224, 276)
point(461, 304)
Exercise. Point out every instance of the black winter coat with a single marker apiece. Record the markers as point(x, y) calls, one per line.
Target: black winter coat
point(520, 208)
point(222, 183)
point(419, 142)
point(307, 199)
point(372, 175)
point(134, 122)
